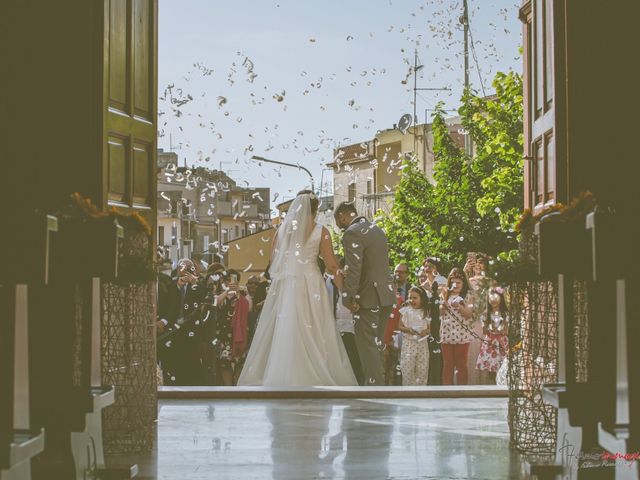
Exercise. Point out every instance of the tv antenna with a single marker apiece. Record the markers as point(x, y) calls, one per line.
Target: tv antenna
point(405, 122)
point(417, 68)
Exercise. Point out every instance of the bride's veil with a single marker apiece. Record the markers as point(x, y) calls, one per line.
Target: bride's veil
point(291, 237)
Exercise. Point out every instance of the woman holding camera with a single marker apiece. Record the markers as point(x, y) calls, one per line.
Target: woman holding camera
point(456, 330)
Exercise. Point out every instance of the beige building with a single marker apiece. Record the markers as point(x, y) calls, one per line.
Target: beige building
point(200, 210)
point(368, 173)
point(251, 253)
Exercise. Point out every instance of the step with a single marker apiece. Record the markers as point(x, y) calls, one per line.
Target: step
point(117, 473)
point(556, 394)
point(613, 438)
point(24, 446)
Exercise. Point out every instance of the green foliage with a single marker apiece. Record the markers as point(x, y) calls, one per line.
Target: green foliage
point(410, 217)
point(336, 240)
point(495, 124)
point(472, 203)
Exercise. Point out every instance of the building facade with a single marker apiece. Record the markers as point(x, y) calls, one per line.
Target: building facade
point(200, 210)
point(368, 173)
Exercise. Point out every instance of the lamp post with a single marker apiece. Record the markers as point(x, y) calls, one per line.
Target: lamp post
point(299, 167)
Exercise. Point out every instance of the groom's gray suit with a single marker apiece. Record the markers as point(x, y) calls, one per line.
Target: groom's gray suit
point(369, 283)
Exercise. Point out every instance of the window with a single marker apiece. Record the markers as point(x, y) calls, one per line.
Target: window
point(174, 234)
point(369, 187)
point(352, 192)
point(186, 207)
point(237, 231)
point(161, 235)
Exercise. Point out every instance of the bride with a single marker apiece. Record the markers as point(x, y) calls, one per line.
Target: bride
point(296, 342)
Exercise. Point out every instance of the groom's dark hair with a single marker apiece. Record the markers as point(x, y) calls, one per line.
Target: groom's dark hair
point(313, 199)
point(345, 207)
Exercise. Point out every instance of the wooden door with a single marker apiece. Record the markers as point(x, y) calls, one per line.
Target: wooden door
point(130, 105)
point(544, 61)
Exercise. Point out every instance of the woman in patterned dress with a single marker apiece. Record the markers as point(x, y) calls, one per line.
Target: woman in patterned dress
point(496, 326)
point(456, 330)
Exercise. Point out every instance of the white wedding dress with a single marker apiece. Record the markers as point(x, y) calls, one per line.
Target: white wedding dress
point(296, 341)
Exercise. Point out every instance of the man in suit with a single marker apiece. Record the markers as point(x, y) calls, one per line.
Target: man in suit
point(179, 312)
point(252, 287)
point(368, 287)
point(401, 274)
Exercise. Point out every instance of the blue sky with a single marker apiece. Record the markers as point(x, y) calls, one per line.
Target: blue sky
point(340, 65)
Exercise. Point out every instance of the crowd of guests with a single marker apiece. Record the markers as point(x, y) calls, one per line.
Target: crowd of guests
point(442, 331)
point(206, 320)
point(446, 330)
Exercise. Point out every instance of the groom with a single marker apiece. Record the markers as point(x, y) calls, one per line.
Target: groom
point(368, 287)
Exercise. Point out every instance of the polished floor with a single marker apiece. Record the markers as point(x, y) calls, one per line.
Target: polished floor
point(459, 438)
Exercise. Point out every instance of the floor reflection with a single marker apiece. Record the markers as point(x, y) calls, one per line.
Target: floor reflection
point(300, 444)
point(331, 440)
point(341, 439)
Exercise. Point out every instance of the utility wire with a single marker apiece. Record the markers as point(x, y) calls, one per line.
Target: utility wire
point(475, 58)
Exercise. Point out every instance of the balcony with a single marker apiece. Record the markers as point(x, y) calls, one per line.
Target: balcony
point(357, 152)
point(373, 202)
point(228, 209)
point(222, 209)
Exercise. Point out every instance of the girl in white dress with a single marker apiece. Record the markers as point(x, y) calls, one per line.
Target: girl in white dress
point(415, 324)
point(296, 342)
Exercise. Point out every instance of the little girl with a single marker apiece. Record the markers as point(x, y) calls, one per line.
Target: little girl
point(415, 324)
point(495, 328)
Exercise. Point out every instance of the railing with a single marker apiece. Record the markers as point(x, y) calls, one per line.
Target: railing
point(377, 201)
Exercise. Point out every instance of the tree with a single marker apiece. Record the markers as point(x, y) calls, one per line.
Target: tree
point(473, 203)
point(410, 219)
point(495, 125)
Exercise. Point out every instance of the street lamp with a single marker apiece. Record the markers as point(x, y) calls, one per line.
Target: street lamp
point(299, 167)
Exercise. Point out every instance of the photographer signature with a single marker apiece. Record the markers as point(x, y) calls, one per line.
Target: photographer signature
point(571, 458)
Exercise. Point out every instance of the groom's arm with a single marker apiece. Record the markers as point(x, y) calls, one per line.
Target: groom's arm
point(353, 252)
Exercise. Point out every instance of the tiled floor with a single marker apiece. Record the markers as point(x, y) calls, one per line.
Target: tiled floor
point(332, 438)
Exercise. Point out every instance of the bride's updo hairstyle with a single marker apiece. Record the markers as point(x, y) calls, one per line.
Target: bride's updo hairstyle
point(313, 199)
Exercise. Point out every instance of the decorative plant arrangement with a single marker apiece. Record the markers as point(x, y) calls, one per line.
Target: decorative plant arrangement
point(135, 259)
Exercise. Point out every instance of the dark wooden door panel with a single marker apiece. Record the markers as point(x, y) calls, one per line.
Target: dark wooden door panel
point(130, 90)
point(142, 163)
point(117, 166)
point(118, 58)
point(142, 28)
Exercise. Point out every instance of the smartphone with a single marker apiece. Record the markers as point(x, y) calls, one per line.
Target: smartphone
point(441, 280)
point(234, 278)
